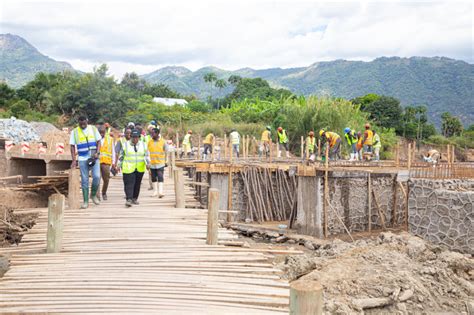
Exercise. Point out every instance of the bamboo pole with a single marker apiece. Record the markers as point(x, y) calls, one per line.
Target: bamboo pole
point(179, 188)
point(199, 147)
point(225, 146)
point(213, 149)
point(302, 147)
point(397, 161)
point(74, 186)
point(394, 201)
point(212, 217)
point(369, 200)
point(271, 151)
point(243, 147)
point(306, 297)
point(319, 149)
point(177, 141)
point(229, 194)
point(231, 150)
point(326, 193)
point(448, 153)
point(56, 204)
point(409, 157)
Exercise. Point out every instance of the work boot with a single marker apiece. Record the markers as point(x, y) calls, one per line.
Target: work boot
point(104, 197)
point(155, 189)
point(95, 200)
point(160, 190)
point(128, 203)
point(85, 196)
point(135, 202)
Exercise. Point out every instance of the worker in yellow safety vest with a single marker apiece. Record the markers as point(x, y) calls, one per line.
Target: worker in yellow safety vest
point(187, 144)
point(234, 139)
point(107, 155)
point(266, 141)
point(334, 141)
point(368, 139)
point(133, 158)
point(208, 145)
point(310, 145)
point(157, 149)
point(283, 142)
point(377, 144)
point(359, 145)
point(351, 139)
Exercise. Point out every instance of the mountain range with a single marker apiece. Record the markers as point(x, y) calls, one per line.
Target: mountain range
point(440, 83)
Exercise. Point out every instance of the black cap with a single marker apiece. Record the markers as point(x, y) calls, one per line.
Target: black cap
point(135, 134)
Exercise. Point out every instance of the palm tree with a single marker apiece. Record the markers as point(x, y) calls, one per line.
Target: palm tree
point(220, 84)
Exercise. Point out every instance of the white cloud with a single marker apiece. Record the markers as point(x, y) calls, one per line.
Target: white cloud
point(141, 36)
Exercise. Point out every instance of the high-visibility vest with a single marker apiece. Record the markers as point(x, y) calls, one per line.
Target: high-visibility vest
point(332, 138)
point(133, 160)
point(209, 139)
point(368, 139)
point(282, 137)
point(266, 136)
point(85, 141)
point(146, 139)
point(377, 143)
point(157, 151)
point(311, 143)
point(359, 144)
point(234, 137)
point(106, 150)
point(187, 139)
point(350, 138)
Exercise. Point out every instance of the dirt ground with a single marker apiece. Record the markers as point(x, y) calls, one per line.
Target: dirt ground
point(389, 274)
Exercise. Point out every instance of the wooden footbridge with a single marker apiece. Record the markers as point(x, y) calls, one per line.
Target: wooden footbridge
point(150, 258)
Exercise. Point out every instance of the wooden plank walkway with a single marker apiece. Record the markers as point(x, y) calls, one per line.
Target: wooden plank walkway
point(150, 258)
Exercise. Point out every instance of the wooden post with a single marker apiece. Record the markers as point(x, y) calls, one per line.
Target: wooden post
point(179, 188)
point(213, 147)
point(409, 157)
point(306, 297)
point(177, 141)
point(270, 155)
point(56, 203)
point(212, 216)
point(394, 201)
point(413, 149)
point(229, 195)
point(254, 146)
point(369, 200)
point(319, 149)
point(199, 147)
point(231, 150)
point(74, 189)
point(225, 146)
point(302, 147)
point(326, 193)
point(453, 154)
point(248, 144)
point(397, 157)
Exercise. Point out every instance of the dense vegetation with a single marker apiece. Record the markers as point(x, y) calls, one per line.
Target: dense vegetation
point(59, 98)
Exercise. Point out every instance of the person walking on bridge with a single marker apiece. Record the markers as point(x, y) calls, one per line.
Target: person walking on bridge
point(107, 155)
point(156, 161)
point(234, 138)
point(85, 140)
point(133, 165)
point(283, 142)
point(187, 144)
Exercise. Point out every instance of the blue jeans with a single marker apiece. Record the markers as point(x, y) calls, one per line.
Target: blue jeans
point(84, 167)
point(354, 149)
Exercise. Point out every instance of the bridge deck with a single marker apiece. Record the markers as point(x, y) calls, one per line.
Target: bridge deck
point(148, 258)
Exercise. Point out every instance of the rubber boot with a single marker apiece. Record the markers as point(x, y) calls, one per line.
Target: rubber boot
point(95, 200)
point(85, 197)
point(160, 190)
point(155, 189)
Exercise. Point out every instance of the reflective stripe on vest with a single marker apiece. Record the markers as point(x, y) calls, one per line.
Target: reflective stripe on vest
point(234, 137)
point(370, 135)
point(106, 150)
point(311, 143)
point(282, 136)
point(186, 140)
point(157, 152)
point(85, 141)
point(350, 138)
point(133, 160)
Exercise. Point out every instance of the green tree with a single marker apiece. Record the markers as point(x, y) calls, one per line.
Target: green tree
point(384, 110)
point(7, 94)
point(132, 81)
point(253, 89)
point(450, 125)
point(210, 77)
point(234, 79)
point(160, 90)
point(20, 108)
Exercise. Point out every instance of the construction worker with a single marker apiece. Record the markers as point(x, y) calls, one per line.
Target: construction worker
point(157, 149)
point(187, 144)
point(208, 142)
point(85, 140)
point(234, 138)
point(351, 139)
point(107, 155)
point(432, 156)
point(376, 144)
point(283, 141)
point(266, 141)
point(310, 145)
point(133, 164)
point(359, 146)
point(334, 141)
point(127, 135)
point(368, 138)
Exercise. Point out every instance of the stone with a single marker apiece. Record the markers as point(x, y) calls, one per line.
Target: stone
point(309, 245)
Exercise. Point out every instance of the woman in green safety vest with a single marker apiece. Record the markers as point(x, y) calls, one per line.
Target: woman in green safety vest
point(133, 157)
point(283, 141)
point(376, 144)
point(351, 141)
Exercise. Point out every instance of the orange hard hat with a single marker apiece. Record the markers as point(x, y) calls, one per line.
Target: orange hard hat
point(367, 126)
point(280, 128)
point(311, 133)
point(190, 131)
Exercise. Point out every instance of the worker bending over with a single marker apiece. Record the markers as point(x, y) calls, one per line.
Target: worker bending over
point(432, 156)
point(283, 142)
point(351, 139)
point(133, 165)
point(310, 145)
point(85, 140)
point(107, 156)
point(334, 141)
point(156, 163)
point(187, 145)
point(266, 142)
point(208, 143)
point(376, 144)
point(234, 138)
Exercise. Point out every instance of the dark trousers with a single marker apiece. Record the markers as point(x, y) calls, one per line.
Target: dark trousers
point(157, 174)
point(132, 183)
point(207, 148)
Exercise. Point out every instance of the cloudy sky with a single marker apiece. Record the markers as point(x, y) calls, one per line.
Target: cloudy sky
point(142, 36)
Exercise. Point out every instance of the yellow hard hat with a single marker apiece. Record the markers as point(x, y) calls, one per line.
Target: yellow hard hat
point(321, 132)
